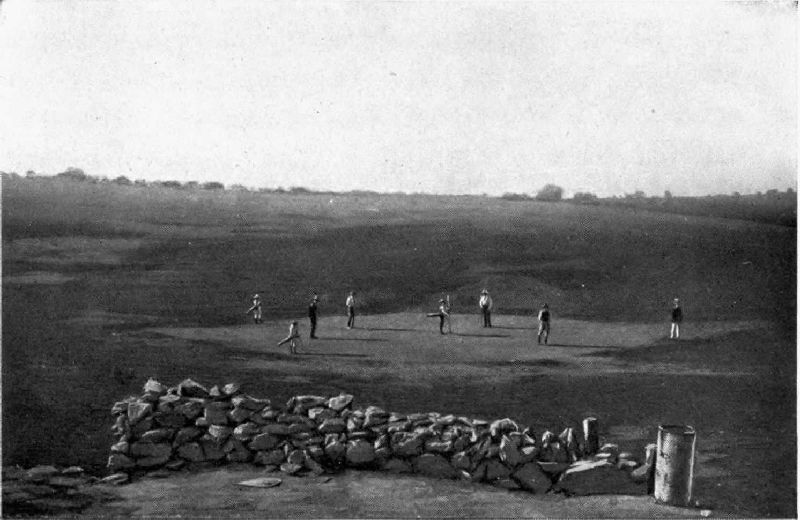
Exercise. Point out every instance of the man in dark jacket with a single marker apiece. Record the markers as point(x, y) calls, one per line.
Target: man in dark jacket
point(312, 317)
point(544, 324)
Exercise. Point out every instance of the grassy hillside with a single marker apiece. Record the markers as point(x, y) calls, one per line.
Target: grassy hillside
point(196, 256)
point(90, 269)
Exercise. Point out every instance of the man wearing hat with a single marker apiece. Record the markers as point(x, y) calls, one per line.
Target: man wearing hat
point(544, 324)
point(443, 314)
point(350, 303)
point(677, 318)
point(485, 303)
point(312, 316)
point(255, 309)
point(293, 338)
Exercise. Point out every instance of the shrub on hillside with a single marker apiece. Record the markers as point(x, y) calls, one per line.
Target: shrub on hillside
point(73, 174)
point(515, 196)
point(213, 186)
point(550, 192)
point(582, 197)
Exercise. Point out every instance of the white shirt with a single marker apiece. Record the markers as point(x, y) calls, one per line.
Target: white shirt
point(485, 300)
point(351, 302)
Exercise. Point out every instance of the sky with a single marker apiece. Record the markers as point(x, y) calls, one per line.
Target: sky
point(464, 97)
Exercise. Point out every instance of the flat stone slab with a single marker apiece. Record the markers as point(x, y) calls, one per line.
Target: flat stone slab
point(263, 482)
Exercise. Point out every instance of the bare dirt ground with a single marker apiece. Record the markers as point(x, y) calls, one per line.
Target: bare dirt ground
point(215, 494)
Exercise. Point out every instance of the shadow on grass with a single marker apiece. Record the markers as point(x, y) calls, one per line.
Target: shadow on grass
point(371, 340)
point(331, 354)
point(389, 329)
point(545, 363)
point(479, 335)
point(566, 345)
point(512, 328)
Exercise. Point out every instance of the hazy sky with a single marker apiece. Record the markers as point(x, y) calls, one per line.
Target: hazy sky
point(441, 97)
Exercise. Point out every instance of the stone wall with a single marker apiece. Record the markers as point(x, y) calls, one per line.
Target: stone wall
point(169, 428)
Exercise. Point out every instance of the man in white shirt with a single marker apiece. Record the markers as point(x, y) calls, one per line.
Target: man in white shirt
point(485, 303)
point(293, 338)
point(443, 315)
point(351, 310)
point(544, 324)
point(255, 309)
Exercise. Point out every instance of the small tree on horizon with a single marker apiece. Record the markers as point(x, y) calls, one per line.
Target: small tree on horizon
point(550, 193)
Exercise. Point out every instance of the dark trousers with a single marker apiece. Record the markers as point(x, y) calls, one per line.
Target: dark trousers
point(313, 320)
point(351, 316)
point(487, 317)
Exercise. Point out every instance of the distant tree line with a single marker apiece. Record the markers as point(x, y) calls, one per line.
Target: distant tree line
point(772, 206)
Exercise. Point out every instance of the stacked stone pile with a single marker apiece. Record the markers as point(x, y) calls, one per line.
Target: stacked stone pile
point(186, 424)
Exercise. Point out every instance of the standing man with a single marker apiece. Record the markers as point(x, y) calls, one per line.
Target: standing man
point(443, 315)
point(544, 324)
point(485, 303)
point(292, 339)
point(312, 317)
point(255, 309)
point(351, 310)
point(677, 318)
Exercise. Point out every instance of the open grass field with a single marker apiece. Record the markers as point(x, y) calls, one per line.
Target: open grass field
point(155, 283)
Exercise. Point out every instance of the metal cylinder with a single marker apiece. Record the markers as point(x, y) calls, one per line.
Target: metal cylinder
point(591, 438)
point(675, 464)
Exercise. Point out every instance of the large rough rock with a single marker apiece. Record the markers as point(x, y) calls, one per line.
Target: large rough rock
point(496, 470)
point(189, 388)
point(271, 457)
point(276, 429)
point(340, 402)
point(138, 411)
point(502, 426)
point(245, 432)
point(239, 415)
point(302, 403)
point(335, 450)
point(149, 449)
point(407, 444)
point(216, 413)
point(187, 434)
point(156, 436)
point(190, 409)
point(250, 403)
point(397, 466)
point(264, 441)
point(219, 433)
point(154, 387)
point(375, 416)
point(212, 450)
point(333, 425)
point(432, 465)
point(121, 447)
point(191, 452)
point(118, 461)
point(531, 478)
point(150, 462)
point(598, 478)
point(360, 452)
point(169, 419)
point(509, 451)
point(231, 389)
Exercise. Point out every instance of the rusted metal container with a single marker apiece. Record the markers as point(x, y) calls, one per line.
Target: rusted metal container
point(674, 473)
